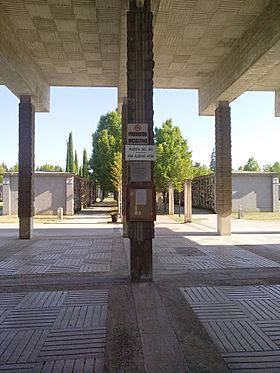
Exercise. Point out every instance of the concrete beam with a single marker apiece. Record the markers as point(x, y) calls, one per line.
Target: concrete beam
point(277, 103)
point(17, 71)
point(251, 58)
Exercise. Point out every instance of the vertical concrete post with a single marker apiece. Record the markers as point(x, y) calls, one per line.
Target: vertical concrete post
point(69, 195)
point(124, 168)
point(26, 167)
point(187, 201)
point(140, 66)
point(275, 193)
point(170, 199)
point(7, 195)
point(223, 168)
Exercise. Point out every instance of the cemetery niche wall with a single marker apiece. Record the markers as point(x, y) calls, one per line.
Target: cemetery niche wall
point(254, 191)
point(51, 190)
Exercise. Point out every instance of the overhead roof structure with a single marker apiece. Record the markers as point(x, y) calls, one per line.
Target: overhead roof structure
point(220, 47)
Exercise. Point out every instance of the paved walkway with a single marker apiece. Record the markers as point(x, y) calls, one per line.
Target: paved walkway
point(66, 303)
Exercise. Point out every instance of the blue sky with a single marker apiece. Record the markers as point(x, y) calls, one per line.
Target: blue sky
point(255, 130)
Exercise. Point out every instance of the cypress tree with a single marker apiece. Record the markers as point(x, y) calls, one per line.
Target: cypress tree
point(70, 154)
point(85, 164)
point(67, 157)
point(76, 164)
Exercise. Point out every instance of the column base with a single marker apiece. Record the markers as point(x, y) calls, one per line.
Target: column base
point(187, 219)
point(125, 226)
point(141, 260)
point(224, 225)
point(25, 228)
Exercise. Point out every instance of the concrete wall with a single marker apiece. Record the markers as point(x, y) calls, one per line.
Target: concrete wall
point(51, 190)
point(255, 191)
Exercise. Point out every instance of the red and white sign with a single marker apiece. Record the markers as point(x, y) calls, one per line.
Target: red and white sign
point(137, 133)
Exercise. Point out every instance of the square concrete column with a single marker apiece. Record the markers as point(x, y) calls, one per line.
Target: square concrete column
point(275, 193)
point(124, 167)
point(223, 168)
point(140, 66)
point(188, 201)
point(170, 199)
point(69, 196)
point(26, 167)
point(6, 195)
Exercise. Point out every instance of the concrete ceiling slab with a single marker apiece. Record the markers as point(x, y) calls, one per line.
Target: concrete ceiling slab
point(83, 43)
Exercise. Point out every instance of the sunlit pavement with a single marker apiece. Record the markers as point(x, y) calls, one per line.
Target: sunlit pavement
point(67, 305)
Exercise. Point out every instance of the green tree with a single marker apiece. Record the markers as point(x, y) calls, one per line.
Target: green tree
point(106, 141)
point(14, 168)
point(213, 161)
point(117, 171)
point(76, 163)
point(49, 168)
point(85, 166)
point(201, 170)
point(3, 168)
point(251, 165)
point(275, 167)
point(70, 154)
point(173, 163)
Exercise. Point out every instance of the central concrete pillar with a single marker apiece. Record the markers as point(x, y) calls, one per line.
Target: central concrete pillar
point(140, 66)
point(124, 168)
point(223, 168)
point(26, 167)
point(170, 199)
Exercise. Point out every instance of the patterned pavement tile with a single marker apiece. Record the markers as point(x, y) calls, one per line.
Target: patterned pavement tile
point(60, 256)
point(243, 322)
point(60, 331)
point(179, 258)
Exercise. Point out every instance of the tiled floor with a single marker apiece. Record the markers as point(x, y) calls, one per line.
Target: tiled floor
point(243, 322)
point(59, 256)
point(58, 329)
point(61, 331)
point(173, 258)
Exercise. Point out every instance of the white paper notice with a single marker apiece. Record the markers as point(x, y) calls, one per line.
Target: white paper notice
point(140, 197)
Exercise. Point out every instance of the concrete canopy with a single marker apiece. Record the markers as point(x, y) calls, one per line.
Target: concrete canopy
point(221, 47)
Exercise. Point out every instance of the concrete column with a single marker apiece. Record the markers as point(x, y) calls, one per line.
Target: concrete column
point(120, 103)
point(6, 195)
point(69, 196)
point(223, 168)
point(170, 199)
point(275, 193)
point(140, 66)
point(124, 168)
point(26, 167)
point(188, 201)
